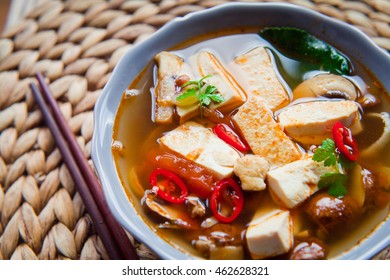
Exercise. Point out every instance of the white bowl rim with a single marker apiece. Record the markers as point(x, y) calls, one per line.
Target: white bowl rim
point(122, 208)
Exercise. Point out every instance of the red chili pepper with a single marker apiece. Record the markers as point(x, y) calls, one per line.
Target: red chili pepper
point(166, 192)
point(344, 141)
point(235, 195)
point(227, 134)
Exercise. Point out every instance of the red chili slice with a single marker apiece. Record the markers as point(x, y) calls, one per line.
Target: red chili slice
point(344, 141)
point(236, 197)
point(227, 134)
point(166, 193)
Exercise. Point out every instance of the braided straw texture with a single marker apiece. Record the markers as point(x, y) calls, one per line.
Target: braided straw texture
point(76, 44)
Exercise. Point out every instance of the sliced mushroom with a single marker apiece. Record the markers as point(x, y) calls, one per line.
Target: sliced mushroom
point(376, 196)
point(380, 145)
point(176, 217)
point(209, 222)
point(326, 85)
point(368, 101)
point(196, 206)
point(221, 238)
point(208, 248)
point(376, 155)
point(204, 245)
point(308, 249)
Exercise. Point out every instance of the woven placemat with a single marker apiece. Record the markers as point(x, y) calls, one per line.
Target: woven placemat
point(76, 44)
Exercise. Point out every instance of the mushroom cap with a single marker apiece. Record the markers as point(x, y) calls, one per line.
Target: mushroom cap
point(327, 85)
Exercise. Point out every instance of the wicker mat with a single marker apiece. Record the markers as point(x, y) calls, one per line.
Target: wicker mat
point(77, 44)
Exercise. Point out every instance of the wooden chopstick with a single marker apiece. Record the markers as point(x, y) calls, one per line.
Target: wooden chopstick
point(119, 234)
point(111, 233)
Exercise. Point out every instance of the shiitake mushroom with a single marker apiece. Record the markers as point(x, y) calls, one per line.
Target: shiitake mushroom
point(327, 85)
point(308, 249)
point(331, 213)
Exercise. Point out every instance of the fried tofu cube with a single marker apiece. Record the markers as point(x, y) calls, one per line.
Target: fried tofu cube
point(168, 68)
point(251, 170)
point(271, 235)
point(293, 183)
point(261, 79)
point(198, 144)
point(208, 64)
point(263, 134)
point(312, 122)
point(188, 112)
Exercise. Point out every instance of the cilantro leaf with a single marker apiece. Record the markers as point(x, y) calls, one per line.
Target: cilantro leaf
point(217, 98)
point(337, 189)
point(188, 93)
point(336, 182)
point(210, 90)
point(204, 99)
point(326, 153)
point(204, 94)
point(330, 178)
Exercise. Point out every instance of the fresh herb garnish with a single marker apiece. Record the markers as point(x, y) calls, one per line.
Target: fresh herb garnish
point(299, 44)
point(204, 93)
point(326, 153)
point(335, 181)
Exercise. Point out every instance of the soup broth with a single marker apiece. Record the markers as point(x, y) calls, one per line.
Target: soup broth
point(137, 152)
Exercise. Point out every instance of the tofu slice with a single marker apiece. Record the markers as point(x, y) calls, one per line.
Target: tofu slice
point(293, 183)
point(168, 68)
point(198, 144)
point(251, 170)
point(263, 134)
point(312, 122)
point(270, 236)
point(234, 96)
point(187, 113)
point(261, 78)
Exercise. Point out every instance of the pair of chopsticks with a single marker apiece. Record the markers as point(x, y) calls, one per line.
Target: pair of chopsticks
point(113, 236)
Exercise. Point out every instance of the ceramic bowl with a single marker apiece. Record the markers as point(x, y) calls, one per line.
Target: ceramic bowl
point(346, 38)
